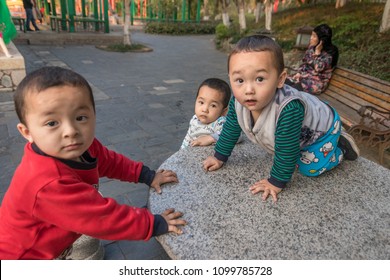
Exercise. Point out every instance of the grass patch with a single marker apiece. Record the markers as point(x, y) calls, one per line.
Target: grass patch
point(125, 48)
point(355, 32)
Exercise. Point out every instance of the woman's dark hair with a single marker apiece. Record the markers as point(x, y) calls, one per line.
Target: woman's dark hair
point(324, 33)
point(44, 78)
point(219, 85)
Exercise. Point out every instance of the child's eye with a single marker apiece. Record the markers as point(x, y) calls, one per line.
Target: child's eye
point(81, 118)
point(213, 106)
point(259, 79)
point(200, 102)
point(239, 81)
point(51, 123)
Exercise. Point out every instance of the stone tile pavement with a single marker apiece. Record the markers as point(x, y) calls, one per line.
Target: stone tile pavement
point(144, 102)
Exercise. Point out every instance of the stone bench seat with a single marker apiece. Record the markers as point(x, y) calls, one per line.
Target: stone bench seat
point(343, 214)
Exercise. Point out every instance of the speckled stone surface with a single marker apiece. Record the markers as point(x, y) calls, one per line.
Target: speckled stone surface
point(343, 214)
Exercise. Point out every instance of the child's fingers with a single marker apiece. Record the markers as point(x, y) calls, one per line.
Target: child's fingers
point(256, 188)
point(167, 172)
point(274, 196)
point(175, 229)
point(172, 214)
point(158, 189)
point(177, 222)
point(265, 194)
point(168, 211)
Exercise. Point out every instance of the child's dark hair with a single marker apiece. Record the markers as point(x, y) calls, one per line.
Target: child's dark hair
point(260, 43)
point(45, 78)
point(220, 85)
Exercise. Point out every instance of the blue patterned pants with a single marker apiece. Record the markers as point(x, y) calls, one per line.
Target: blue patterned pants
point(323, 154)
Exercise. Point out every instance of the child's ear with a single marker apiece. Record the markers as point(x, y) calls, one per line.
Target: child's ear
point(25, 132)
point(224, 111)
point(282, 78)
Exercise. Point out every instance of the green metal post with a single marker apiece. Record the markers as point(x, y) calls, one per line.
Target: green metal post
point(106, 19)
point(183, 10)
point(189, 10)
point(95, 12)
point(63, 15)
point(198, 11)
point(53, 8)
point(83, 13)
point(71, 13)
point(100, 12)
point(131, 10)
point(141, 9)
point(159, 14)
point(100, 15)
point(46, 6)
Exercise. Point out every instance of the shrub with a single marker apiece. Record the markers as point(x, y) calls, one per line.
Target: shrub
point(180, 28)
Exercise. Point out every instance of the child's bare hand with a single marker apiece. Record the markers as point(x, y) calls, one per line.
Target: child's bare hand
point(173, 220)
point(205, 140)
point(267, 188)
point(163, 176)
point(211, 163)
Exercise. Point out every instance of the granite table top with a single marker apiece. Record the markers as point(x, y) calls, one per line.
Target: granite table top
point(342, 214)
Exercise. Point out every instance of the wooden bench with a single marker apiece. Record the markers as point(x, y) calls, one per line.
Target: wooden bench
point(21, 22)
point(363, 103)
point(88, 24)
point(79, 23)
point(56, 23)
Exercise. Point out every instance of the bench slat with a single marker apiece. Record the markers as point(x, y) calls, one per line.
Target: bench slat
point(348, 116)
point(345, 89)
point(365, 92)
point(364, 79)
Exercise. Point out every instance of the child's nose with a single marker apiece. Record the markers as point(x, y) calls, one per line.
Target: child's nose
point(70, 130)
point(249, 89)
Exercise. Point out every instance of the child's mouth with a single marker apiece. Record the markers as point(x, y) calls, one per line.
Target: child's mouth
point(250, 102)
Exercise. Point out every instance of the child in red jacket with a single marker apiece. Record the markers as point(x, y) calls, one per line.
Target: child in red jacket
point(53, 197)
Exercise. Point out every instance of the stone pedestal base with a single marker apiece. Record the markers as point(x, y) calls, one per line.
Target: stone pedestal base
point(12, 69)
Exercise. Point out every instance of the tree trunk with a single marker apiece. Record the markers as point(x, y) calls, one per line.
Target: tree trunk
point(268, 14)
point(225, 14)
point(385, 24)
point(126, 26)
point(241, 14)
point(206, 14)
point(258, 10)
point(340, 3)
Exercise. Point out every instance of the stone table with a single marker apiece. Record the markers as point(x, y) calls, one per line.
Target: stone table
point(343, 214)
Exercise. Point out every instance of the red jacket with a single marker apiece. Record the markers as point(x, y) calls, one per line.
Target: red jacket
point(50, 204)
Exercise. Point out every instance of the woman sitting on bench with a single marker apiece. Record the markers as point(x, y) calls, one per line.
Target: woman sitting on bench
point(314, 74)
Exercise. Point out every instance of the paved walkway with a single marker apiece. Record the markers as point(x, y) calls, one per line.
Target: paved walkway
point(144, 102)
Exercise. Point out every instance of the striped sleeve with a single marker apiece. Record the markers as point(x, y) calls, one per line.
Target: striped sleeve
point(230, 134)
point(287, 143)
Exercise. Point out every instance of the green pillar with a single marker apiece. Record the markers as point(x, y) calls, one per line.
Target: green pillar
point(64, 12)
point(71, 14)
point(131, 11)
point(198, 11)
point(106, 19)
point(46, 6)
point(183, 10)
point(189, 10)
point(95, 12)
point(53, 8)
point(83, 12)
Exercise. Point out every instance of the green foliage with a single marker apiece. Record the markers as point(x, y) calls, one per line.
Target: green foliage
point(124, 48)
point(355, 32)
point(180, 28)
